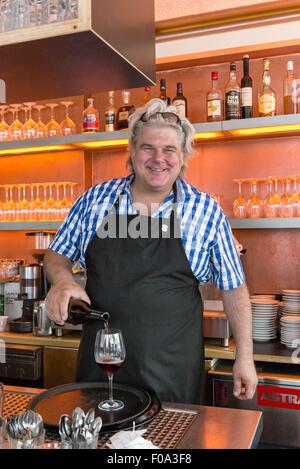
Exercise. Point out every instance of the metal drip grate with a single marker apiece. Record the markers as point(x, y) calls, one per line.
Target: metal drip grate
point(165, 430)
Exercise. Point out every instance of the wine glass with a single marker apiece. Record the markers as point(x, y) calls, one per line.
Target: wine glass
point(254, 203)
point(287, 206)
point(40, 128)
point(67, 126)
point(29, 126)
point(53, 126)
point(110, 354)
point(268, 208)
point(4, 127)
point(16, 128)
point(240, 204)
point(295, 198)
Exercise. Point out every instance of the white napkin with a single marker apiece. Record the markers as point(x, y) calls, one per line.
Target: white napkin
point(130, 440)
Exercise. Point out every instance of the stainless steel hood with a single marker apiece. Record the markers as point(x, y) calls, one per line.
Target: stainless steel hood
point(114, 49)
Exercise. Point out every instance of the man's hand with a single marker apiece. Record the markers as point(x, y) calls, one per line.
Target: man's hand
point(58, 299)
point(244, 379)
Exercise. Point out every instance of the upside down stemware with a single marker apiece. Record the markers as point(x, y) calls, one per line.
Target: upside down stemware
point(254, 203)
point(240, 204)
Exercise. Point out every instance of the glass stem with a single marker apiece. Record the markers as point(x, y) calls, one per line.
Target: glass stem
point(110, 384)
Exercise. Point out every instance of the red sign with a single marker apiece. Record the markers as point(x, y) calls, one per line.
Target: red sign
point(277, 396)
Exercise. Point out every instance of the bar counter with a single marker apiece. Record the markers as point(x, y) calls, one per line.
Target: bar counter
point(207, 427)
point(263, 352)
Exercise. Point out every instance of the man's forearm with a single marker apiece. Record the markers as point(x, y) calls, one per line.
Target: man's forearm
point(58, 268)
point(238, 309)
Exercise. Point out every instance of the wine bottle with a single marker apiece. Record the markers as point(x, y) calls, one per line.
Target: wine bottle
point(163, 92)
point(80, 311)
point(246, 90)
point(214, 100)
point(267, 96)
point(180, 101)
point(290, 89)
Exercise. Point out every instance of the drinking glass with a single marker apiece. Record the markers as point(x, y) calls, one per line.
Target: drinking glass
point(53, 127)
point(254, 203)
point(40, 128)
point(268, 207)
point(29, 130)
point(25, 205)
point(4, 127)
point(110, 354)
point(38, 12)
point(67, 126)
point(295, 198)
point(16, 128)
point(50, 204)
point(287, 206)
point(10, 205)
point(240, 204)
point(38, 204)
point(53, 11)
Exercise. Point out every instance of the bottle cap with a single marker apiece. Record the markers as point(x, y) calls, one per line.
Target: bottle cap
point(232, 66)
point(162, 82)
point(111, 94)
point(147, 88)
point(214, 75)
point(246, 56)
point(290, 65)
point(266, 63)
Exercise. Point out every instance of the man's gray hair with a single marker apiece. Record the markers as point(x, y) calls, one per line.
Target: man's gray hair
point(185, 131)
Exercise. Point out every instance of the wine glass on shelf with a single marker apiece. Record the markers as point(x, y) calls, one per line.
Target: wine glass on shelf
point(67, 126)
point(65, 204)
point(268, 207)
point(16, 128)
point(286, 206)
point(40, 128)
point(29, 129)
point(10, 206)
point(254, 203)
point(51, 205)
point(110, 354)
point(25, 205)
point(240, 204)
point(53, 127)
point(4, 127)
point(295, 197)
point(37, 203)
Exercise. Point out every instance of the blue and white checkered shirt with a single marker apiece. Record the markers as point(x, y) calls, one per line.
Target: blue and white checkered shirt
point(205, 232)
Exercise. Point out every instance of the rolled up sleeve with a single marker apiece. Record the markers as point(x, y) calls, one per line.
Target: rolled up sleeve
point(226, 267)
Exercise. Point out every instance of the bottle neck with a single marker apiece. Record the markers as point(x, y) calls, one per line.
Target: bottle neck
point(246, 68)
point(232, 75)
point(266, 79)
point(214, 84)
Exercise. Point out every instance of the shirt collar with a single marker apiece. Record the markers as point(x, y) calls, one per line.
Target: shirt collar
point(128, 180)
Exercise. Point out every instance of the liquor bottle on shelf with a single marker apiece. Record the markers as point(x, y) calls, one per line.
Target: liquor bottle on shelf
point(290, 98)
point(147, 95)
point(232, 96)
point(110, 113)
point(180, 101)
point(214, 100)
point(90, 118)
point(80, 311)
point(267, 96)
point(246, 90)
point(163, 91)
point(124, 111)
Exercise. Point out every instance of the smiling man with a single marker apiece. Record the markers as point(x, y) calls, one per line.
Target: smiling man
point(149, 284)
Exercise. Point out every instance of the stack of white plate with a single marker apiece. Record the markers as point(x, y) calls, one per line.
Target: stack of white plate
point(291, 302)
point(264, 316)
point(290, 331)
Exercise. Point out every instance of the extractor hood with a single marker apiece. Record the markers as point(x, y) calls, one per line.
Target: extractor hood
point(110, 46)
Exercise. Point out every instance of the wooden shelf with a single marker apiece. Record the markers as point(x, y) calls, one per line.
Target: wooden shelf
point(30, 226)
point(264, 223)
point(234, 130)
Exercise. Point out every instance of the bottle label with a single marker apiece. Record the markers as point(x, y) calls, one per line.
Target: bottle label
point(90, 122)
point(246, 96)
point(123, 115)
point(214, 108)
point(180, 107)
point(110, 118)
point(266, 104)
point(232, 101)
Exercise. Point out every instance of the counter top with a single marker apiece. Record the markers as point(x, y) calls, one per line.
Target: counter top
point(70, 339)
point(273, 352)
point(210, 427)
point(268, 352)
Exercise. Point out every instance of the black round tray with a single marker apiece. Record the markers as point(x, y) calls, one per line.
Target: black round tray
point(140, 406)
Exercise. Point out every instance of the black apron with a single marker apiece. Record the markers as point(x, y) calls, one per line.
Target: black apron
point(152, 295)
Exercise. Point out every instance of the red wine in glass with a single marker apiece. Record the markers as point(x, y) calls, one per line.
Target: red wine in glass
point(109, 355)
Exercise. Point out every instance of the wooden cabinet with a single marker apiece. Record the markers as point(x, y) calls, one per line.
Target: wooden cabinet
point(59, 366)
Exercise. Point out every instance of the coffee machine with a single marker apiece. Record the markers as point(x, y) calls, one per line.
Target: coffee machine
point(33, 282)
